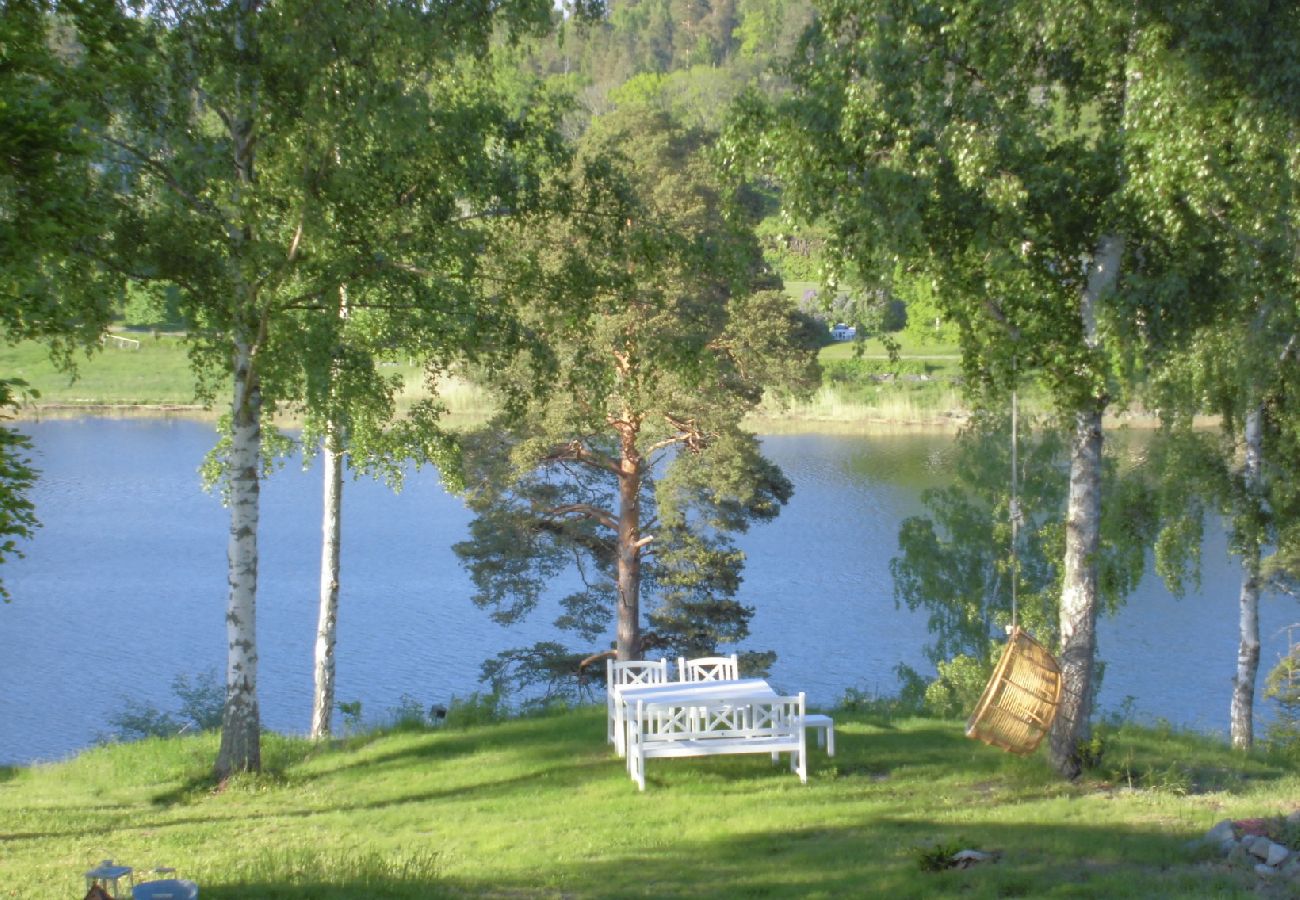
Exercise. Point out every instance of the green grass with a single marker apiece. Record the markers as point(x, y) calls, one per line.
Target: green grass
point(909, 346)
point(540, 807)
point(155, 372)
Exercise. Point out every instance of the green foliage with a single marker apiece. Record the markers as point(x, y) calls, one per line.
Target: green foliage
point(138, 720)
point(936, 857)
point(1282, 686)
point(956, 561)
point(629, 467)
point(151, 306)
point(18, 520)
point(202, 698)
point(351, 710)
point(475, 710)
point(546, 665)
point(409, 715)
point(956, 690)
point(55, 184)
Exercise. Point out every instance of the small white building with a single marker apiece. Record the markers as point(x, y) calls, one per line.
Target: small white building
point(842, 332)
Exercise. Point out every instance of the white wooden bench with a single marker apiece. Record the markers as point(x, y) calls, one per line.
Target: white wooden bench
point(718, 725)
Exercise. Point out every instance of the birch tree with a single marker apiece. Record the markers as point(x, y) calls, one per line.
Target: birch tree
point(274, 152)
point(982, 146)
point(1215, 161)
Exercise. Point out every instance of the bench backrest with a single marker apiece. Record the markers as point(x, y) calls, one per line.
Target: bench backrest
point(636, 671)
point(708, 668)
point(721, 719)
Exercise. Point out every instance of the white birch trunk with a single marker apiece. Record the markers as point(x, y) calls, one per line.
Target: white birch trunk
point(327, 623)
point(1078, 613)
point(1243, 684)
point(241, 727)
point(240, 722)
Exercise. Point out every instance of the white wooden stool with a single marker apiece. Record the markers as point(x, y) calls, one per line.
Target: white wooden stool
point(825, 728)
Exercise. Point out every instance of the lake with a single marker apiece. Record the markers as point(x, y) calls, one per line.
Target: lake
point(125, 587)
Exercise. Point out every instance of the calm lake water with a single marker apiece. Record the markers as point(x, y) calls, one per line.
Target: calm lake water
point(125, 587)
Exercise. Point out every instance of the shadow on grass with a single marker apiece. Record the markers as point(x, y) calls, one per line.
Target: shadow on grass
point(881, 858)
point(8, 773)
point(547, 739)
point(566, 777)
point(874, 858)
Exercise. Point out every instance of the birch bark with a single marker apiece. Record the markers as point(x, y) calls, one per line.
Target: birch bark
point(327, 623)
point(1078, 614)
point(240, 721)
point(1243, 683)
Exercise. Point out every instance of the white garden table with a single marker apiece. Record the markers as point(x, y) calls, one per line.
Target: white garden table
point(681, 693)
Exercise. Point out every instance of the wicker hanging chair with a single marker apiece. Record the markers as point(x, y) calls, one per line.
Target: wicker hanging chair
point(1016, 710)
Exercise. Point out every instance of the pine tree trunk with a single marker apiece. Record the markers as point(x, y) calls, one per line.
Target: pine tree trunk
point(326, 627)
point(629, 551)
point(240, 721)
point(1078, 613)
point(1243, 684)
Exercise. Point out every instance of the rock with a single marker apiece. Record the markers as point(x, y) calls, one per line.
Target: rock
point(964, 859)
point(1227, 847)
point(1277, 854)
point(1265, 871)
point(1221, 832)
point(1258, 846)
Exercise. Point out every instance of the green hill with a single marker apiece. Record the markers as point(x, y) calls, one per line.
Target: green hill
point(540, 807)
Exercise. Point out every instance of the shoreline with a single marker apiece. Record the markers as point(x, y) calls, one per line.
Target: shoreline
point(951, 421)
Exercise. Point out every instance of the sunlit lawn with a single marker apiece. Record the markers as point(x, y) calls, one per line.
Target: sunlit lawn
point(541, 808)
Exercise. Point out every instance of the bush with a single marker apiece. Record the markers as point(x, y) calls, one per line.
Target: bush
point(408, 715)
point(202, 701)
point(476, 709)
point(957, 689)
point(138, 720)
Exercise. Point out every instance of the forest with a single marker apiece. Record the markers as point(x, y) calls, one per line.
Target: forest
point(594, 212)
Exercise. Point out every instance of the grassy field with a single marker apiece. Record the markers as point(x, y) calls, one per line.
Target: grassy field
point(539, 807)
point(156, 374)
point(867, 390)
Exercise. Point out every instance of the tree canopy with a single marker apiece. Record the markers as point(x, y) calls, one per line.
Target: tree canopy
point(633, 463)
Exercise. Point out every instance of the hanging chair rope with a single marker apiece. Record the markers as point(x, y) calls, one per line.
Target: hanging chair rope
point(1016, 710)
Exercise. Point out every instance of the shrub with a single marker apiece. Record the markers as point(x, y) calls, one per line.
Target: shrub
point(476, 709)
point(202, 699)
point(138, 720)
point(958, 687)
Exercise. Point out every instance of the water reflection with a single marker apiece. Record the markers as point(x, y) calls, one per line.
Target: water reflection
point(124, 588)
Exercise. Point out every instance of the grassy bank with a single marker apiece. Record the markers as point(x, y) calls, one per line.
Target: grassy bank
point(541, 808)
point(150, 374)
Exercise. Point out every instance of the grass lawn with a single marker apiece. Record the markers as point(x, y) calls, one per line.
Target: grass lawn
point(157, 371)
point(539, 807)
